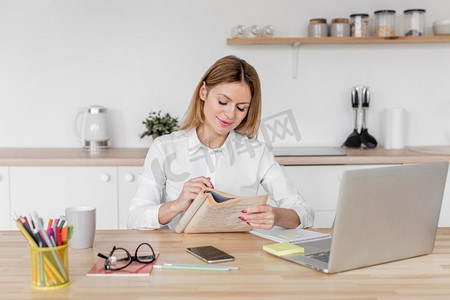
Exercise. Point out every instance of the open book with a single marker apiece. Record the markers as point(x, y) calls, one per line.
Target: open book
point(295, 236)
point(214, 211)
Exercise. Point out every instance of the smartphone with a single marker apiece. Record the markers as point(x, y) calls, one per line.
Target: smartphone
point(210, 254)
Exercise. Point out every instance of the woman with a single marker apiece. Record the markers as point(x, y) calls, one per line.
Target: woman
point(215, 147)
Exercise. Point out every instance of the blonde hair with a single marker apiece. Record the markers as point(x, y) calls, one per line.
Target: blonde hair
point(229, 69)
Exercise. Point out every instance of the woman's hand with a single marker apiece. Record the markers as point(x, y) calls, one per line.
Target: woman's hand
point(190, 190)
point(266, 216)
point(261, 216)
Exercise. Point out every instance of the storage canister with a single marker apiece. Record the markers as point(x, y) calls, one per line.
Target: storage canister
point(318, 28)
point(340, 27)
point(414, 22)
point(359, 25)
point(385, 23)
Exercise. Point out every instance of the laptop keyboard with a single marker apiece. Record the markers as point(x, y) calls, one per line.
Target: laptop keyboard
point(322, 256)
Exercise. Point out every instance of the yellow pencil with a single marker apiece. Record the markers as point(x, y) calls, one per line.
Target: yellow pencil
point(53, 269)
point(25, 233)
point(50, 275)
point(34, 268)
point(32, 243)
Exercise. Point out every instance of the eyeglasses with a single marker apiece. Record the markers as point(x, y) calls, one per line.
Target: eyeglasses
point(120, 258)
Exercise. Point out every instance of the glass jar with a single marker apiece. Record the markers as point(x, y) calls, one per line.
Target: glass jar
point(414, 22)
point(254, 31)
point(385, 23)
point(359, 25)
point(318, 28)
point(340, 28)
point(267, 31)
point(238, 31)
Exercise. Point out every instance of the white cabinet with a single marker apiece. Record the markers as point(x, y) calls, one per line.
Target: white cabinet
point(49, 190)
point(4, 199)
point(127, 179)
point(319, 185)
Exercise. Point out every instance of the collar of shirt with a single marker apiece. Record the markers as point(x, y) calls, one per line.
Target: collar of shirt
point(195, 144)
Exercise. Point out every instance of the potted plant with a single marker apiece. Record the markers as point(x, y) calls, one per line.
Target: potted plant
point(158, 124)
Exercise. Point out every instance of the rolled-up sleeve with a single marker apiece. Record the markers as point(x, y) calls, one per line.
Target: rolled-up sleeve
point(144, 207)
point(282, 191)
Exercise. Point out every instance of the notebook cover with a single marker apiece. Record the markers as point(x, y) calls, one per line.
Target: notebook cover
point(135, 269)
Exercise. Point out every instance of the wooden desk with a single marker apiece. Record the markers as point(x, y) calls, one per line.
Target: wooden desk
point(261, 276)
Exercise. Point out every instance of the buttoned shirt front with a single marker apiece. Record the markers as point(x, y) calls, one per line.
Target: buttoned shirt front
point(241, 166)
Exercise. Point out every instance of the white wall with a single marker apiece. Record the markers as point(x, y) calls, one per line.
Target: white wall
point(135, 56)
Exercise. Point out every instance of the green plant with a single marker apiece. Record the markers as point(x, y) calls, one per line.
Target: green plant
point(157, 124)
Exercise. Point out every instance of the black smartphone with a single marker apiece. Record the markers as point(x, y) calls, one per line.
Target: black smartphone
point(210, 254)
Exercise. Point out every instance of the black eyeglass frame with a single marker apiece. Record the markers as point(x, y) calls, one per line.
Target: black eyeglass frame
point(129, 257)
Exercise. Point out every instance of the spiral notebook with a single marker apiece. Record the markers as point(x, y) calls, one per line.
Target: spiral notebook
point(297, 235)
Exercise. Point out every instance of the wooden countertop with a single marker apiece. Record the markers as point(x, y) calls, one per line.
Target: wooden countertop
point(72, 157)
point(365, 156)
point(261, 275)
point(136, 157)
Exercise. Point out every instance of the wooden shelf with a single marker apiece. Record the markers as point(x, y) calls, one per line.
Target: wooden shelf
point(340, 40)
point(295, 42)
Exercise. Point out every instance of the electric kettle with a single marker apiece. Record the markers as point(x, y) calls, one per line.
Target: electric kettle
point(91, 128)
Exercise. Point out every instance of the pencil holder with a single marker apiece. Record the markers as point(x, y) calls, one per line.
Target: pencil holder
point(49, 267)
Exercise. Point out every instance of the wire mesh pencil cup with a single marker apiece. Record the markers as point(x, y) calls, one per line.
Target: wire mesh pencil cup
point(49, 267)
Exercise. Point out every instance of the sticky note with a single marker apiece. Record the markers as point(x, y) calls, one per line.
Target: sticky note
point(282, 249)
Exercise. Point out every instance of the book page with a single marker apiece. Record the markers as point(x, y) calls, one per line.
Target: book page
point(223, 217)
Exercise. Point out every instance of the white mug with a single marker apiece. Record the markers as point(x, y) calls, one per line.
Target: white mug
point(82, 218)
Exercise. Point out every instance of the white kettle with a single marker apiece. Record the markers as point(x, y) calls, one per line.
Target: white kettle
point(91, 128)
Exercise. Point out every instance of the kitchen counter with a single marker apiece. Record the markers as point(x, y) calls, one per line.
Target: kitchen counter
point(378, 155)
point(136, 157)
point(72, 157)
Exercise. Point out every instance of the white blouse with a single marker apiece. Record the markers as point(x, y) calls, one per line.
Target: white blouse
point(240, 167)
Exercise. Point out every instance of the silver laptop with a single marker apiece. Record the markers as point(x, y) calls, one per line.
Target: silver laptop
point(383, 215)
